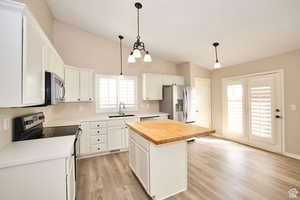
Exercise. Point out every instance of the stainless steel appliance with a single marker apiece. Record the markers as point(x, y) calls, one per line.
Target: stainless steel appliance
point(177, 101)
point(30, 127)
point(54, 89)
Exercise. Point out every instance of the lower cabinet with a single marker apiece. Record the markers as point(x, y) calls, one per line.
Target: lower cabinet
point(142, 165)
point(115, 138)
point(44, 180)
point(104, 136)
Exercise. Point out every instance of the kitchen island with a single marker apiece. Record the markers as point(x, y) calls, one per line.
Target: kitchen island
point(158, 155)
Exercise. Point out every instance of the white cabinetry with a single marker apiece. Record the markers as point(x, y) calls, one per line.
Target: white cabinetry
point(104, 136)
point(33, 72)
point(21, 58)
point(79, 84)
point(47, 180)
point(25, 54)
point(72, 85)
point(52, 61)
point(152, 86)
point(160, 174)
point(153, 83)
point(115, 138)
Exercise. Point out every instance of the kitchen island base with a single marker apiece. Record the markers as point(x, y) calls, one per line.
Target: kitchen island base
point(161, 169)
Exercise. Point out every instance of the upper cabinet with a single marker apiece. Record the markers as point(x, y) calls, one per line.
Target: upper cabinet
point(25, 54)
point(21, 57)
point(53, 62)
point(79, 83)
point(153, 83)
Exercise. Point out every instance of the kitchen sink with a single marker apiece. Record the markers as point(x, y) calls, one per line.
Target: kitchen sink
point(118, 116)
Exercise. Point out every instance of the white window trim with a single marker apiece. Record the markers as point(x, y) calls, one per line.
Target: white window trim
point(107, 110)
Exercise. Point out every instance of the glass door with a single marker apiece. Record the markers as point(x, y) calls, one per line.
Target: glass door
point(252, 110)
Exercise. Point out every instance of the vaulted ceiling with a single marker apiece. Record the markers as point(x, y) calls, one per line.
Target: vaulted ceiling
point(184, 30)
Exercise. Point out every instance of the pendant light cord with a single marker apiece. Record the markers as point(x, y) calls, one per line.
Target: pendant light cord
point(216, 52)
point(138, 23)
point(121, 55)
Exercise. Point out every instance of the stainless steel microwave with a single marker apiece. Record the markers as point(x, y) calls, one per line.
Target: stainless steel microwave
point(54, 89)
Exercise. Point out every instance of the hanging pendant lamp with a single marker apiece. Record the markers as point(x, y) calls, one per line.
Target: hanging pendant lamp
point(121, 56)
point(217, 64)
point(139, 46)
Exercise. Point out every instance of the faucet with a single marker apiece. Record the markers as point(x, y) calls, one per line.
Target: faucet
point(121, 106)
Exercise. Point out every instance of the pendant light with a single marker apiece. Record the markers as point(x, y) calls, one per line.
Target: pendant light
point(139, 46)
point(121, 56)
point(217, 64)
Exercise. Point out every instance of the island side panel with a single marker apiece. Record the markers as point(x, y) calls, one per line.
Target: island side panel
point(161, 169)
point(168, 169)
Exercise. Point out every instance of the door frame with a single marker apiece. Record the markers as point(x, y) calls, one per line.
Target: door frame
point(282, 88)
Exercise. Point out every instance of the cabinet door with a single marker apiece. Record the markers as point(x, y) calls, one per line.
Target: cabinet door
point(152, 86)
point(142, 166)
point(84, 139)
point(114, 138)
point(132, 162)
point(71, 184)
point(33, 72)
point(86, 85)
point(72, 84)
point(125, 137)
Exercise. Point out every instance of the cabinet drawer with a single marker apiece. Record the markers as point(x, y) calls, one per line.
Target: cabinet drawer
point(98, 139)
point(94, 125)
point(100, 131)
point(140, 140)
point(114, 123)
point(98, 148)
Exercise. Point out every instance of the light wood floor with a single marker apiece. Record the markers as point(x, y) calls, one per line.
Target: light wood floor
point(218, 169)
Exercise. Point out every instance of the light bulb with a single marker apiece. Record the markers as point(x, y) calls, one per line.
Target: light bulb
point(217, 65)
point(137, 53)
point(131, 58)
point(147, 57)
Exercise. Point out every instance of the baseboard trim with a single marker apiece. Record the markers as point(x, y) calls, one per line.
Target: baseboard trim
point(292, 155)
point(287, 154)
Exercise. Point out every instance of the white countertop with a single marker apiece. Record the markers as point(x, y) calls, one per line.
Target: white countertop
point(30, 151)
point(100, 117)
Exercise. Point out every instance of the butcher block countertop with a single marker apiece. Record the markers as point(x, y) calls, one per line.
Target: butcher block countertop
point(166, 131)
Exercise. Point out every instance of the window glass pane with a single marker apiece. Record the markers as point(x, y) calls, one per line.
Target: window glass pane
point(235, 108)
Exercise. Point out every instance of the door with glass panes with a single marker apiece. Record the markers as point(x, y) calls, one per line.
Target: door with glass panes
point(253, 110)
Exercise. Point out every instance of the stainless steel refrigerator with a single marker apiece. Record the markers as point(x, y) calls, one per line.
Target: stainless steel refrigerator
point(177, 101)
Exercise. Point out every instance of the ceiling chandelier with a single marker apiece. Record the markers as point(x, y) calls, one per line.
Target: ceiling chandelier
point(217, 63)
point(139, 46)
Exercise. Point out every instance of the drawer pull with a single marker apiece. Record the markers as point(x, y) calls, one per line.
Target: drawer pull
point(98, 149)
point(98, 140)
point(98, 131)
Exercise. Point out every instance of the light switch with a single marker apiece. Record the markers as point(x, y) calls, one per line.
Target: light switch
point(6, 124)
point(293, 107)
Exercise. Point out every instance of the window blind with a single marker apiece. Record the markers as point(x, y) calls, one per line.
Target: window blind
point(235, 108)
point(261, 110)
point(111, 91)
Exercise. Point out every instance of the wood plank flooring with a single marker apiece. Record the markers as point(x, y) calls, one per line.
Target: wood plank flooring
point(218, 169)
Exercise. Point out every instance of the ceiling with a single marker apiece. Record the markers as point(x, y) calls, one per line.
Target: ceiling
point(183, 31)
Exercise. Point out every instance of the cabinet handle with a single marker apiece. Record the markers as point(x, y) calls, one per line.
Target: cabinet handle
point(98, 149)
point(98, 140)
point(90, 99)
point(98, 131)
point(78, 99)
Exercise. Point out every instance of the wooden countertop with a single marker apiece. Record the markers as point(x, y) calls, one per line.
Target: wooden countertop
point(166, 131)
